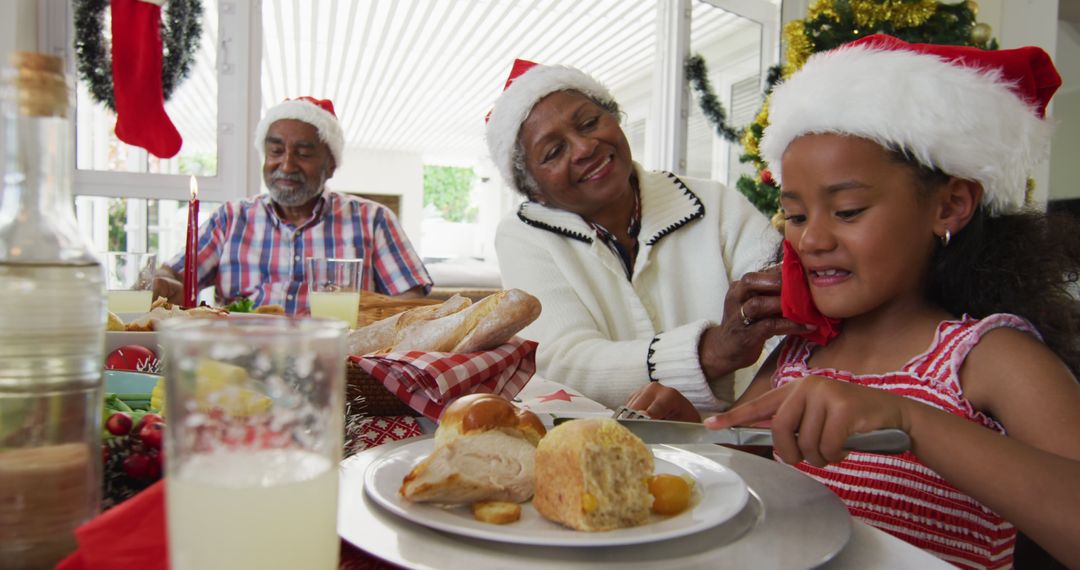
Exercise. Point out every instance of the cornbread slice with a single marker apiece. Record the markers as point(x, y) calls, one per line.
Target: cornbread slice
point(592, 475)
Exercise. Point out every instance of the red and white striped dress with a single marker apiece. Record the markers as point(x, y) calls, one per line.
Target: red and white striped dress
point(898, 494)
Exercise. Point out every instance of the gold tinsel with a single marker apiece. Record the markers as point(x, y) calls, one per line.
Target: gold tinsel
point(868, 13)
point(798, 46)
point(823, 8)
point(749, 141)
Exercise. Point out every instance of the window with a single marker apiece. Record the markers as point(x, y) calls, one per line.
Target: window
point(128, 199)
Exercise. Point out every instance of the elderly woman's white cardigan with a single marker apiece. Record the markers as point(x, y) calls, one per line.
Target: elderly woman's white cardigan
point(607, 336)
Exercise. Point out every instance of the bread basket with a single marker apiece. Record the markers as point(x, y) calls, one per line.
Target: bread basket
point(378, 401)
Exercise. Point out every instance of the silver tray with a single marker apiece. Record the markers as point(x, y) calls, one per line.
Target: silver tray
point(790, 521)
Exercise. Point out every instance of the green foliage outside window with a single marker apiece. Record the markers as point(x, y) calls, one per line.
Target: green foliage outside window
point(447, 189)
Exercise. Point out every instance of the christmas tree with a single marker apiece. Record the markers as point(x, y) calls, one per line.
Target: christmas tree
point(831, 23)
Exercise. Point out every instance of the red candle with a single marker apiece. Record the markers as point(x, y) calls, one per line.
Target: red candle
point(191, 250)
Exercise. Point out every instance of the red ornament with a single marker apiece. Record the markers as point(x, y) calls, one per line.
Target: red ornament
point(132, 357)
point(766, 177)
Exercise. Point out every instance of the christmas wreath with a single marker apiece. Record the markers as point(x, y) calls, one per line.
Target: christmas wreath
point(181, 29)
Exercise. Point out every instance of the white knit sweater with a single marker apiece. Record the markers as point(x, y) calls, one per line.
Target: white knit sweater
point(605, 335)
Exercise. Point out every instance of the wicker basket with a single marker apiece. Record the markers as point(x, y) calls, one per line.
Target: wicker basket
point(378, 401)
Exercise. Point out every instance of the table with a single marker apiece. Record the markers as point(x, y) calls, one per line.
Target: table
point(867, 547)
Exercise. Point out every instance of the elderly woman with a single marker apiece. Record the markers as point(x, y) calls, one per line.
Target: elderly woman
point(638, 272)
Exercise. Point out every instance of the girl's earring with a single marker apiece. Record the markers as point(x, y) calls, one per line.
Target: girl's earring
point(945, 239)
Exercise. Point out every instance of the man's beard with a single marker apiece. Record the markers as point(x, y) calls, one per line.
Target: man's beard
point(294, 197)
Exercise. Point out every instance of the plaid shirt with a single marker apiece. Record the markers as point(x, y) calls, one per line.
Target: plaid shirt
point(247, 251)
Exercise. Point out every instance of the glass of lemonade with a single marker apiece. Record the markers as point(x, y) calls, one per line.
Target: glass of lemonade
point(334, 288)
point(255, 409)
point(129, 276)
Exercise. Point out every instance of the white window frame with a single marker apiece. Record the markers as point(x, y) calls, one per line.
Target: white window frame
point(238, 74)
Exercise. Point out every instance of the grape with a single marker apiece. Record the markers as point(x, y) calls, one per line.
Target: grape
point(137, 466)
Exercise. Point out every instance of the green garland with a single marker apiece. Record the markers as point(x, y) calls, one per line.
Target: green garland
point(710, 104)
point(181, 29)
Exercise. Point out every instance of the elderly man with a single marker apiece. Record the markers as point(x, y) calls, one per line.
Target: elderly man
point(256, 248)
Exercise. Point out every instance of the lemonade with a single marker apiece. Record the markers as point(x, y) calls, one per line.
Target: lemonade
point(343, 306)
point(125, 301)
point(277, 508)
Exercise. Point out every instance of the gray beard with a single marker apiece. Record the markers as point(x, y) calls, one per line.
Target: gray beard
point(292, 198)
point(295, 198)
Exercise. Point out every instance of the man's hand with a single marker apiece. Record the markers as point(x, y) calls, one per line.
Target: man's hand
point(167, 283)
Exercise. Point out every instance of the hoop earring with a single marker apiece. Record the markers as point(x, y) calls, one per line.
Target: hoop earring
point(945, 239)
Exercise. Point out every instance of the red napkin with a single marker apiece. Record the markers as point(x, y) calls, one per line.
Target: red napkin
point(129, 535)
point(798, 305)
point(427, 381)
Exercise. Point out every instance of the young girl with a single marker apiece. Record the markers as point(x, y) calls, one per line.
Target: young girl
point(903, 171)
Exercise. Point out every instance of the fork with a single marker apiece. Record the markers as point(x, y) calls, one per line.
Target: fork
point(624, 413)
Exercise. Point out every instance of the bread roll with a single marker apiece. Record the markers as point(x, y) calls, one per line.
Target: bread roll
point(484, 448)
point(592, 474)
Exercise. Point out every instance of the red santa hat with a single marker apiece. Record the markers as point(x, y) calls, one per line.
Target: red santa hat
point(972, 113)
point(316, 112)
point(529, 83)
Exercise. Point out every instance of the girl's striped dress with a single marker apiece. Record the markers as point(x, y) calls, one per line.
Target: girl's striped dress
point(897, 493)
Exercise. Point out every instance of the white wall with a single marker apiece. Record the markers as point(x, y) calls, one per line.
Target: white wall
point(1018, 23)
point(1064, 166)
point(385, 172)
point(18, 27)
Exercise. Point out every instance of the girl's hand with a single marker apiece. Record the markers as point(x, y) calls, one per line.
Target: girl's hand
point(812, 417)
point(663, 403)
point(751, 316)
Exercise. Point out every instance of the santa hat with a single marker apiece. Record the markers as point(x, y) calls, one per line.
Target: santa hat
point(529, 83)
point(316, 112)
point(972, 113)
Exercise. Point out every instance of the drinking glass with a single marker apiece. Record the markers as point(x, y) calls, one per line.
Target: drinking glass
point(334, 288)
point(255, 410)
point(129, 276)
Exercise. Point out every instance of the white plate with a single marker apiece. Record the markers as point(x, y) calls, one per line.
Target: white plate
point(719, 494)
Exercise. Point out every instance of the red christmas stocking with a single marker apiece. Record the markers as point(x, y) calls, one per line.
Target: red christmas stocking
point(140, 102)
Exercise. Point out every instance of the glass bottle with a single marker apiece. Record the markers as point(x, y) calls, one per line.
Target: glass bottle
point(52, 326)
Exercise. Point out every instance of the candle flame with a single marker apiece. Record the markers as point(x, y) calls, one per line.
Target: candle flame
point(194, 188)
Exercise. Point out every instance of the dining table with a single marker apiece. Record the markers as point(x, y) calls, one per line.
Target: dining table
point(788, 521)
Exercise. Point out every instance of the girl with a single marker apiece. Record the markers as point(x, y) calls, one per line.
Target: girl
point(903, 168)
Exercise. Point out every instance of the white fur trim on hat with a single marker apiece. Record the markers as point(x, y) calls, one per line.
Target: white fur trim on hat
point(516, 102)
point(964, 121)
point(327, 124)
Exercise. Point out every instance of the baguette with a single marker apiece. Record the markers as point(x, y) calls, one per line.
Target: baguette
point(485, 325)
point(458, 325)
point(382, 336)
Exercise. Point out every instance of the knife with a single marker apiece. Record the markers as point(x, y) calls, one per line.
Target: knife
point(887, 441)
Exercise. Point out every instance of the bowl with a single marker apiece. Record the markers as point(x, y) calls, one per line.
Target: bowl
point(132, 387)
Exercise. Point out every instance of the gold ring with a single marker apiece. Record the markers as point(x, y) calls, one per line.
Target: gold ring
point(745, 319)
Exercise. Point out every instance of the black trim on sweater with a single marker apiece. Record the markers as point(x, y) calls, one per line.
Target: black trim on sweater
point(550, 228)
point(700, 213)
point(649, 357)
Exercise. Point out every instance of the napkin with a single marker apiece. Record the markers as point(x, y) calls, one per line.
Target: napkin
point(427, 381)
point(129, 535)
point(798, 305)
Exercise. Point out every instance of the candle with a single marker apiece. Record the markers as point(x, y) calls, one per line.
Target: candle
point(191, 249)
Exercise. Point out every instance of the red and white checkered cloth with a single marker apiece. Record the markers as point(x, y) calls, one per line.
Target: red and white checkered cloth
point(427, 381)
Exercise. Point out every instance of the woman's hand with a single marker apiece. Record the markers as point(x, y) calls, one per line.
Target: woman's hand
point(663, 403)
point(752, 316)
point(812, 417)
